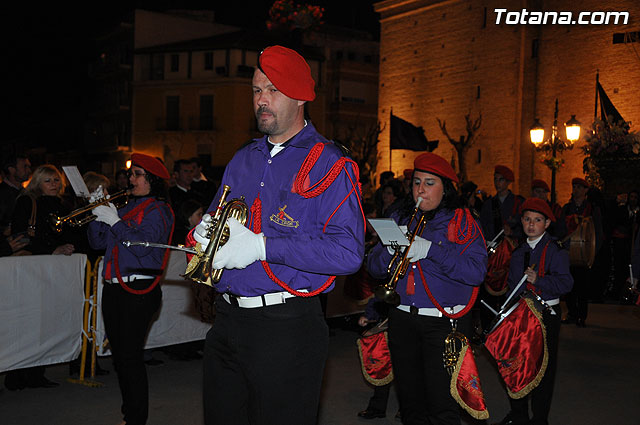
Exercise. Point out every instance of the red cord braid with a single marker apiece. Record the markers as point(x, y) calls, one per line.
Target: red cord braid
point(256, 211)
point(137, 214)
point(318, 188)
point(460, 236)
point(543, 256)
point(327, 180)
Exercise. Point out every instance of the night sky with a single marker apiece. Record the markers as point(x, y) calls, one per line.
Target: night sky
point(50, 47)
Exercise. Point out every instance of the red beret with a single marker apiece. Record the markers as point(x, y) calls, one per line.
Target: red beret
point(151, 164)
point(505, 172)
point(578, 180)
point(541, 184)
point(408, 173)
point(288, 71)
point(537, 205)
point(432, 163)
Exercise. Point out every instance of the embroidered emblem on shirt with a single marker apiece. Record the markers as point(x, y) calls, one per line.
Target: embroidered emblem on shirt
point(284, 219)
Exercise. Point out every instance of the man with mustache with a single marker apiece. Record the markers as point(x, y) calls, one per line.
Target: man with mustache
point(265, 354)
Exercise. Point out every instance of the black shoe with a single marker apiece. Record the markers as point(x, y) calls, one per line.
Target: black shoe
point(508, 420)
point(371, 414)
point(153, 362)
point(42, 382)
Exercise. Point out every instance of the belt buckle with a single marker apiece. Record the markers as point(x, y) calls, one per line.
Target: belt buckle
point(233, 301)
point(413, 310)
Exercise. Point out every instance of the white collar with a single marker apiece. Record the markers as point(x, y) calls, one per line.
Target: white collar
point(534, 242)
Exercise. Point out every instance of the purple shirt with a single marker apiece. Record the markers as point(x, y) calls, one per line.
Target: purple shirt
point(557, 279)
point(155, 227)
point(450, 273)
point(298, 251)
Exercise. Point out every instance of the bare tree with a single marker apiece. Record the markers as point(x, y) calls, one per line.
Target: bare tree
point(463, 144)
point(362, 144)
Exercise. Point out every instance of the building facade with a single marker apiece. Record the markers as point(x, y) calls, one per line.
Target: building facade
point(446, 59)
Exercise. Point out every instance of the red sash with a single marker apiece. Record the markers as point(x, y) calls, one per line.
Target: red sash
point(519, 346)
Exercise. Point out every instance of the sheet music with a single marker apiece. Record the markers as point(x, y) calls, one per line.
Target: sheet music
point(77, 183)
point(388, 231)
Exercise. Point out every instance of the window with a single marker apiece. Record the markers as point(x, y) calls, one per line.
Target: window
point(206, 112)
point(208, 61)
point(175, 63)
point(157, 67)
point(173, 112)
point(626, 37)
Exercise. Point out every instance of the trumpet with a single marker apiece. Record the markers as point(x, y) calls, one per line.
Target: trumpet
point(82, 216)
point(399, 262)
point(200, 268)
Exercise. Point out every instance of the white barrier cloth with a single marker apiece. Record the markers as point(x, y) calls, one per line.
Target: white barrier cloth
point(40, 309)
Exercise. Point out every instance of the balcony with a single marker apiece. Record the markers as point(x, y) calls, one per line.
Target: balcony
point(198, 123)
point(169, 124)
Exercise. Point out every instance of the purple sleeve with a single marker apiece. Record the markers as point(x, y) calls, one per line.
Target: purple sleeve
point(557, 280)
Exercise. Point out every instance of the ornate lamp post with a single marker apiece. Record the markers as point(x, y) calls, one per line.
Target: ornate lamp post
point(554, 144)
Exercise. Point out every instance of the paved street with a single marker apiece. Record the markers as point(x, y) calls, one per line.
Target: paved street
point(597, 383)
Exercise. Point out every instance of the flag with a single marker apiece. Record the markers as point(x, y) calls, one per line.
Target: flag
point(465, 385)
point(606, 106)
point(405, 135)
point(375, 358)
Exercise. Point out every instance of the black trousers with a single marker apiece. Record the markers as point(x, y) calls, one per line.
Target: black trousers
point(541, 395)
point(380, 398)
point(126, 320)
point(264, 366)
point(416, 344)
point(578, 298)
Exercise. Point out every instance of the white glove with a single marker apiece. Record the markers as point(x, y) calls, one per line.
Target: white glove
point(243, 248)
point(106, 213)
point(418, 249)
point(200, 232)
point(96, 195)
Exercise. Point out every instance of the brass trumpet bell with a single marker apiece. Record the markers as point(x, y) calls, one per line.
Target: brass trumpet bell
point(200, 268)
point(387, 294)
point(82, 216)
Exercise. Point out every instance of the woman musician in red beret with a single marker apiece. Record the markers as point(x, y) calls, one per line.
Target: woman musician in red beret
point(448, 261)
point(131, 295)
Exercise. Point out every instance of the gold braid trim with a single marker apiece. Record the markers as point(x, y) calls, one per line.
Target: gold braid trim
point(376, 382)
point(545, 359)
point(453, 389)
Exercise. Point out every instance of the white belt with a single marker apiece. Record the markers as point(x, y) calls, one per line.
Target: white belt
point(434, 312)
point(554, 301)
point(131, 278)
point(263, 300)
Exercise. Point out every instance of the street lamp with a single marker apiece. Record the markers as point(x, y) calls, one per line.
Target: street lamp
point(554, 144)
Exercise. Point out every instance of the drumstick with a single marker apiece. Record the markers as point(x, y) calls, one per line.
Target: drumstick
point(515, 290)
point(489, 307)
point(493, 241)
